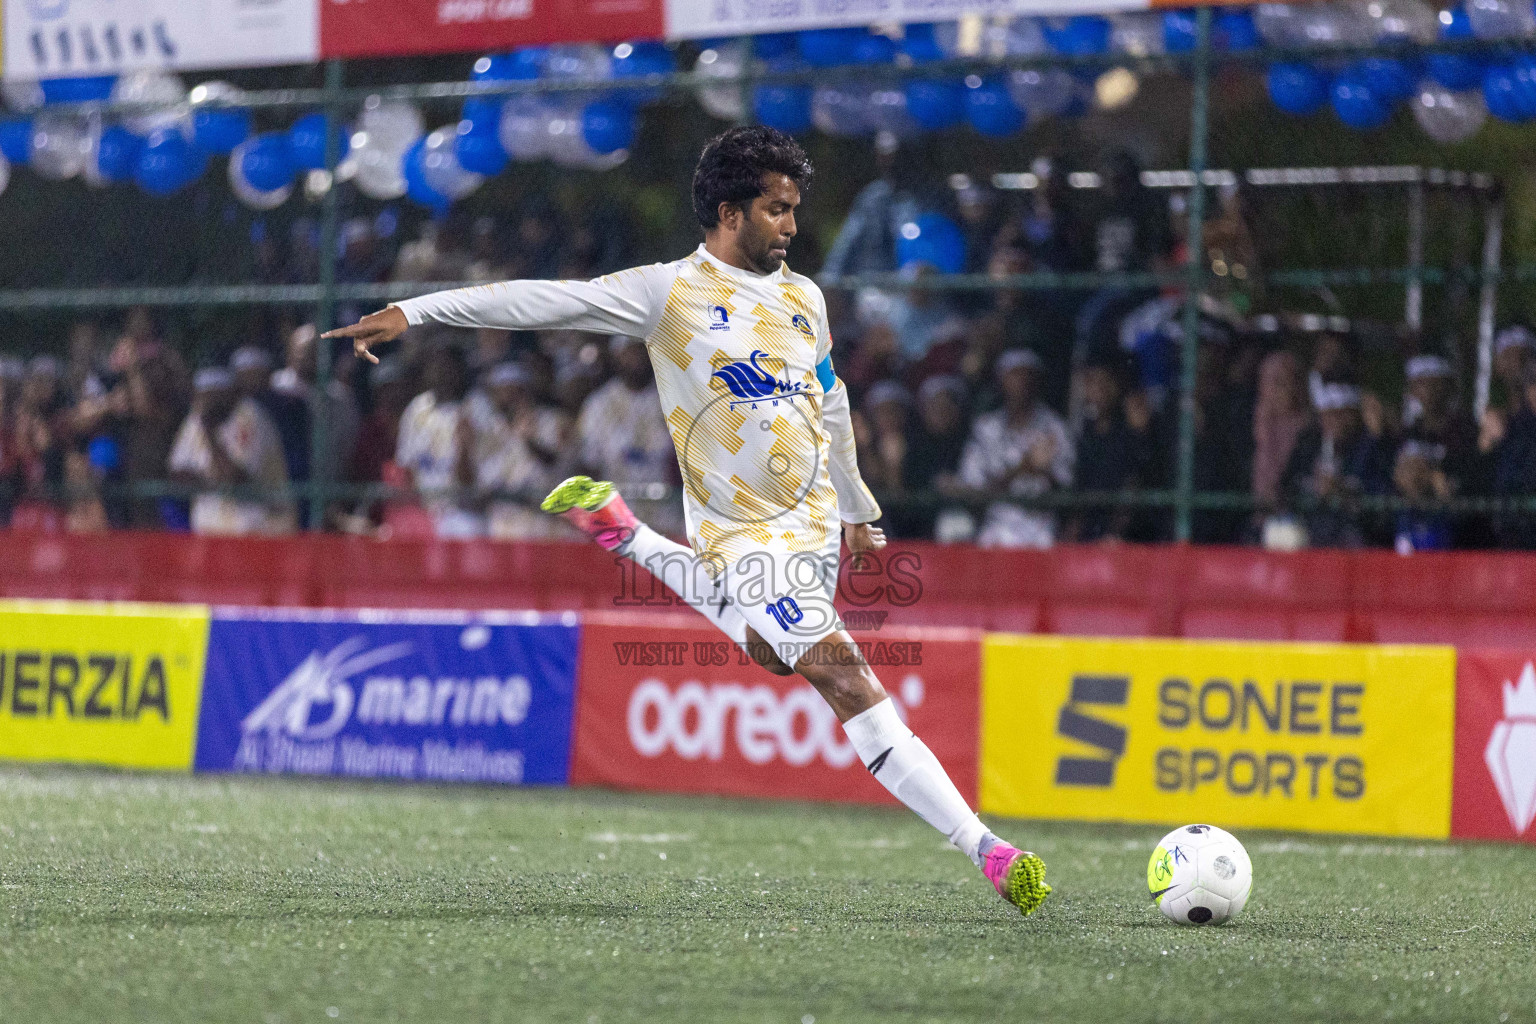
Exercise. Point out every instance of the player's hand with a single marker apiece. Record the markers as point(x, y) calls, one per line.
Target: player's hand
point(374, 329)
point(862, 537)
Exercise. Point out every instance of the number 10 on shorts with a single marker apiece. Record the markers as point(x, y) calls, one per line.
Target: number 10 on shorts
point(785, 612)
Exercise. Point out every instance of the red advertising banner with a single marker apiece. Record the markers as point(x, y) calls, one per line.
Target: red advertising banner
point(1493, 794)
point(664, 703)
point(389, 28)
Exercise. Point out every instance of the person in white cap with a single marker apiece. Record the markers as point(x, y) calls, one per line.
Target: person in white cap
point(1336, 459)
point(1440, 423)
point(623, 436)
point(228, 441)
point(1023, 450)
point(521, 456)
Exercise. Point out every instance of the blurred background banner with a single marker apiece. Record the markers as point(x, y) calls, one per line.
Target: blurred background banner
point(696, 19)
point(667, 705)
point(446, 697)
point(377, 28)
point(1495, 787)
point(52, 38)
point(100, 683)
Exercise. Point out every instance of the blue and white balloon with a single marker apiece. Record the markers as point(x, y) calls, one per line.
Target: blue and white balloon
point(240, 184)
point(215, 128)
point(724, 60)
point(608, 126)
point(306, 142)
point(58, 146)
point(1358, 104)
point(935, 104)
point(991, 110)
point(168, 162)
point(441, 168)
point(640, 60)
point(1297, 88)
point(112, 153)
point(1501, 19)
point(267, 162)
point(93, 89)
point(1454, 71)
point(1043, 92)
point(932, 239)
point(1449, 117)
point(841, 110)
point(524, 128)
point(479, 149)
point(1137, 33)
point(156, 87)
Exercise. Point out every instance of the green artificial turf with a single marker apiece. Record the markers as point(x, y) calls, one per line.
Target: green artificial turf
point(170, 899)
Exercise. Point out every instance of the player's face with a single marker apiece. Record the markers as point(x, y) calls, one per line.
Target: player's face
point(768, 225)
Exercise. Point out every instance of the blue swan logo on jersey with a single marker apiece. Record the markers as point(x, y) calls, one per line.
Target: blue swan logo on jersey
point(750, 383)
point(719, 318)
point(803, 325)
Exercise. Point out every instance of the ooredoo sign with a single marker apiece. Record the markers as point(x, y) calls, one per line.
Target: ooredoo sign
point(669, 705)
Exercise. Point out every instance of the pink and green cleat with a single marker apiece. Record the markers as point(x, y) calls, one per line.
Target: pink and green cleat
point(596, 508)
point(1018, 876)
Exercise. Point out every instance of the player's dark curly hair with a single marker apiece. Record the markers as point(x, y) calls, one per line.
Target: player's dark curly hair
point(733, 163)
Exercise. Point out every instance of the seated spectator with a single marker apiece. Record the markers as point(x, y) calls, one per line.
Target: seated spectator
point(1509, 441)
point(1115, 451)
point(86, 513)
point(41, 431)
point(1336, 459)
point(436, 447)
point(228, 441)
point(1280, 414)
point(148, 407)
point(300, 379)
point(1512, 349)
point(938, 443)
point(1434, 418)
point(252, 369)
point(520, 457)
point(379, 433)
point(881, 432)
point(1418, 477)
point(622, 436)
point(1022, 450)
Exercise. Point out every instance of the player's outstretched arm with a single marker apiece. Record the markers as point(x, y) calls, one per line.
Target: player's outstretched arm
point(628, 302)
point(374, 329)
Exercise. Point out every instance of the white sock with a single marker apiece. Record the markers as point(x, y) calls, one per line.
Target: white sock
point(683, 573)
point(905, 766)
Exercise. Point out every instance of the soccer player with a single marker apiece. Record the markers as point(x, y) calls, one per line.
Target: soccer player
point(764, 440)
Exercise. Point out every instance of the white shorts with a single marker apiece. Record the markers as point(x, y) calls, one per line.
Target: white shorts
point(786, 597)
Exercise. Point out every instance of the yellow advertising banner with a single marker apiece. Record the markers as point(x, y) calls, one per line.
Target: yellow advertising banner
point(104, 683)
point(1314, 737)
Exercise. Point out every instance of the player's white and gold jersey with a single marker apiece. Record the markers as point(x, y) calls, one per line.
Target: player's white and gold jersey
point(763, 441)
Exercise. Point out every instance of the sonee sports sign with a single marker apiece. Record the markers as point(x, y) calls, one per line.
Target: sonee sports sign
point(1317, 737)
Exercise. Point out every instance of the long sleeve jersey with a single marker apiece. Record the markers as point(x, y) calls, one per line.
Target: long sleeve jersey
point(762, 427)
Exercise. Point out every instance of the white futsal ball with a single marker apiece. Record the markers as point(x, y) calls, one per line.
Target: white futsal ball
point(1200, 874)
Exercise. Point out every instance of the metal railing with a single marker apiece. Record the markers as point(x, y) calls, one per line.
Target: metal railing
point(336, 99)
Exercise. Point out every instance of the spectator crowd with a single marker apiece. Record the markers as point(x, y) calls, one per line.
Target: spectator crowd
point(1004, 417)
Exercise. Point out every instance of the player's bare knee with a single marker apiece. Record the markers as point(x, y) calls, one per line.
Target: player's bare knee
point(848, 688)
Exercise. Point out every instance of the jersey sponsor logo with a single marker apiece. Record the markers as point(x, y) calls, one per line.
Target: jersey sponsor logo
point(803, 325)
point(751, 383)
point(719, 318)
